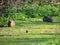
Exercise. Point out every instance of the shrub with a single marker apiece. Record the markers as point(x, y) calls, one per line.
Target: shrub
point(33, 12)
point(3, 21)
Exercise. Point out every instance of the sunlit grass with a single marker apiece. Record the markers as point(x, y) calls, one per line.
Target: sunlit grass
point(39, 33)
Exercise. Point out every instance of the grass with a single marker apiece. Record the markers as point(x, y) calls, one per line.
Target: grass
point(39, 33)
point(27, 41)
point(31, 41)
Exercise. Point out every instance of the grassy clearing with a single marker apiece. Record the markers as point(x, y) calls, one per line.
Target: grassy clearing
point(39, 33)
point(32, 29)
point(31, 41)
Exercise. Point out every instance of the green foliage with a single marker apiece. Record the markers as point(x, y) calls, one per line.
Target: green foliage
point(3, 20)
point(48, 10)
point(17, 16)
point(29, 11)
point(34, 11)
point(38, 11)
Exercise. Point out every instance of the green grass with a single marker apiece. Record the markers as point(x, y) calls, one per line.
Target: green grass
point(39, 33)
point(31, 41)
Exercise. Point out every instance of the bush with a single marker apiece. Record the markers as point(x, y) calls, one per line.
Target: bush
point(40, 11)
point(3, 21)
point(33, 11)
point(48, 10)
point(27, 10)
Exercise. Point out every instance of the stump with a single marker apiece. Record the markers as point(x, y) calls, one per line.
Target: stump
point(47, 19)
point(11, 23)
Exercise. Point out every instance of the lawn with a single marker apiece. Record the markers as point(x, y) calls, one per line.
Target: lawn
point(39, 33)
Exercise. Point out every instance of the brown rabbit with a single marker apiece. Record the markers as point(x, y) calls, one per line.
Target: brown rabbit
point(11, 23)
